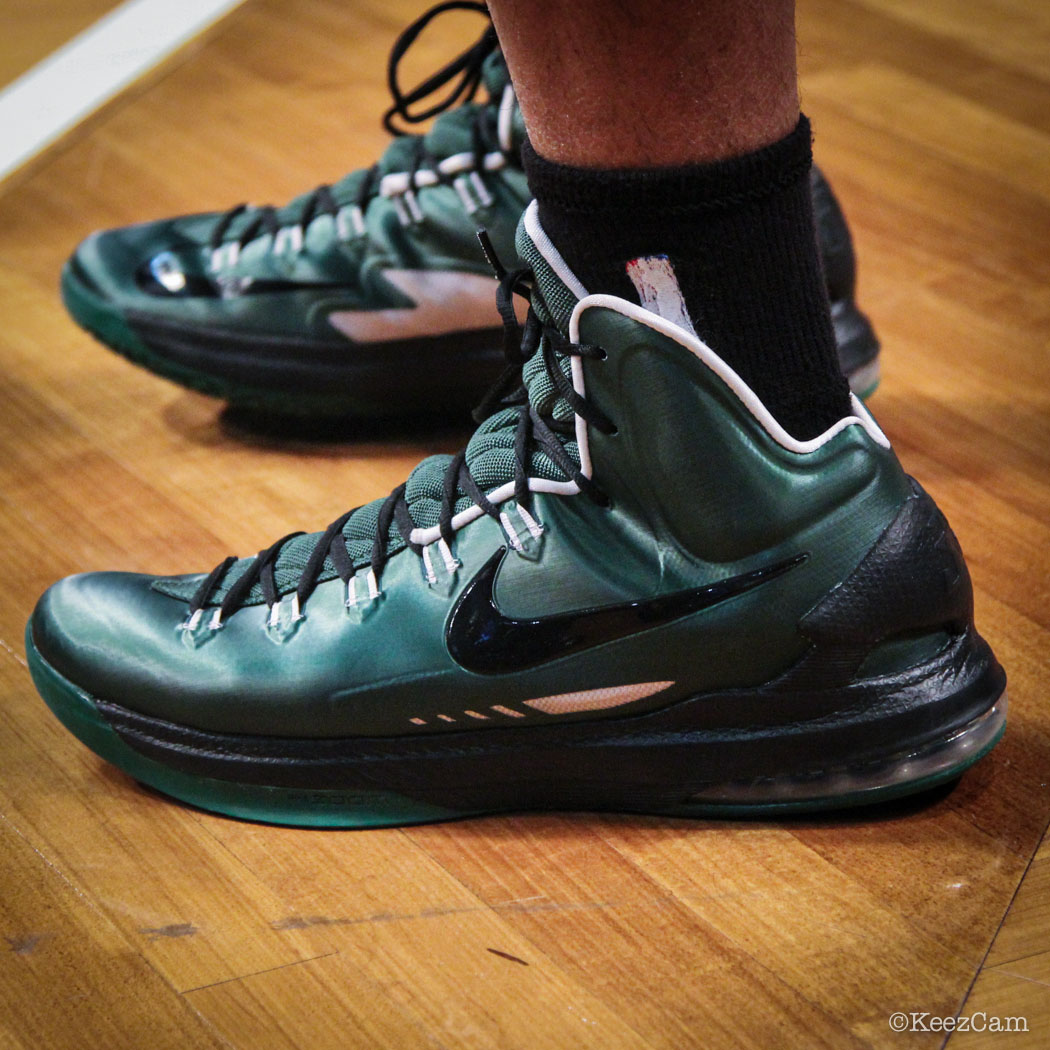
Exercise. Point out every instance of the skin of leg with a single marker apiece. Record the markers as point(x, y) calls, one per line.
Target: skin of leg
point(651, 83)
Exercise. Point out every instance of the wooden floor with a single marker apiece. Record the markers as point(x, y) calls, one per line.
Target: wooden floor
point(35, 28)
point(127, 922)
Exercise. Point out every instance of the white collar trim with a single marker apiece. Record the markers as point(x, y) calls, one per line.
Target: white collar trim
point(860, 416)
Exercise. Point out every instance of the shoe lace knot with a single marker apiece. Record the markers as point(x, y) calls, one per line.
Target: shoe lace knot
point(244, 223)
point(467, 67)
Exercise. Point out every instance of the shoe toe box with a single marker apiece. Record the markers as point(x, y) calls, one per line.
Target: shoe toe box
point(109, 633)
point(119, 639)
point(115, 265)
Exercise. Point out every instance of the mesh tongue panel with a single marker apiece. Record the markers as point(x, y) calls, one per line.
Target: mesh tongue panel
point(490, 457)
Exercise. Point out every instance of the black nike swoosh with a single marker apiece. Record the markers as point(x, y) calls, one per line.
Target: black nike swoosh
point(481, 639)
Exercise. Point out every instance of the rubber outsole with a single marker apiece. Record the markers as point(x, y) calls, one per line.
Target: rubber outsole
point(358, 391)
point(875, 780)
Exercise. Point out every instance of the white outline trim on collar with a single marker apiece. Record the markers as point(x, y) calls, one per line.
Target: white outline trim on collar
point(538, 236)
point(505, 122)
point(861, 417)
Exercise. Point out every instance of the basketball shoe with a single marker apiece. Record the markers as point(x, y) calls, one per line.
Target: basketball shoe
point(633, 590)
point(369, 297)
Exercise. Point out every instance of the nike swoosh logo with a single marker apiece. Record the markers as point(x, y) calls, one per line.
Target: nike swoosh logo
point(445, 301)
point(481, 639)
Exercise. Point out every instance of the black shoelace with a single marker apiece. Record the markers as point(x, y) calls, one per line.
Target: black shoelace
point(467, 67)
point(533, 431)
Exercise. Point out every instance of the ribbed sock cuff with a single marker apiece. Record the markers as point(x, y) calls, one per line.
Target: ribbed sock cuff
point(687, 190)
point(738, 235)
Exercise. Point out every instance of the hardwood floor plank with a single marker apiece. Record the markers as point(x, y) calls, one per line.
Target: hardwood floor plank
point(1025, 934)
point(945, 125)
point(564, 883)
point(466, 996)
point(1012, 33)
point(1004, 1011)
point(841, 34)
point(69, 979)
point(933, 123)
point(37, 27)
point(1031, 967)
point(311, 1004)
point(192, 911)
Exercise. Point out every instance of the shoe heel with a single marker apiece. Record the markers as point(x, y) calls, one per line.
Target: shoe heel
point(858, 347)
point(908, 772)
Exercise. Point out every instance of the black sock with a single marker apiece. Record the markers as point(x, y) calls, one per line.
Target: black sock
point(740, 237)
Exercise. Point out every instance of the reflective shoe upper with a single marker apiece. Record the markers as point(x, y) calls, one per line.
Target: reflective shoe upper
point(359, 297)
point(633, 464)
point(416, 211)
point(324, 305)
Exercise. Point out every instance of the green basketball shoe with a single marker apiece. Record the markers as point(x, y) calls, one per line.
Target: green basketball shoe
point(632, 591)
point(368, 297)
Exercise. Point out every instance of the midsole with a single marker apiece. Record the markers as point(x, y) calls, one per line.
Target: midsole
point(289, 363)
point(932, 761)
point(660, 750)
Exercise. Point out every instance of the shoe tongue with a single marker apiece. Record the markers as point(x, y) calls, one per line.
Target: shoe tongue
point(490, 452)
point(558, 293)
point(559, 288)
point(495, 75)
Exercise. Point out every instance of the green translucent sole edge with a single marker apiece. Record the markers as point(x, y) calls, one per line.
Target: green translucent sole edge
point(76, 710)
point(359, 809)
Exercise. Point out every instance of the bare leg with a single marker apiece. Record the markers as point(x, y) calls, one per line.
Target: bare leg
point(651, 83)
point(667, 134)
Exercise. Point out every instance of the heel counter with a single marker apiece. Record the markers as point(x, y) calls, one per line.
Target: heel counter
point(912, 584)
point(833, 239)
